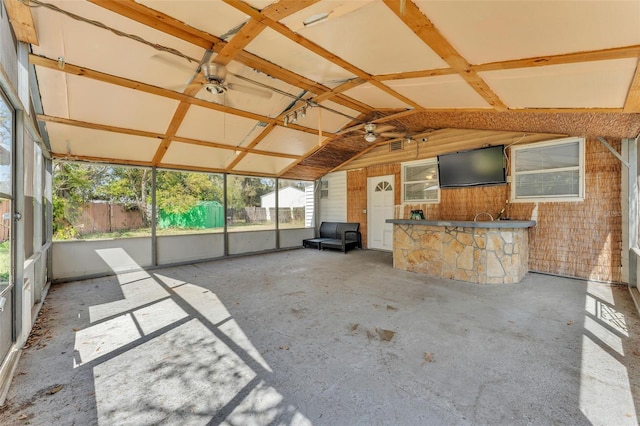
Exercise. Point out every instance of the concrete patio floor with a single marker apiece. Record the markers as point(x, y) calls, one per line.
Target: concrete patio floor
point(309, 337)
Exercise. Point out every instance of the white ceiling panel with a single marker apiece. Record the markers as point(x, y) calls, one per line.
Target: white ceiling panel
point(371, 95)
point(82, 142)
point(602, 84)
point(288, 141)
point(54, 99)
point(491, 31)
point(197, 155)
point(327, 119)
point(446, 91)
point(215, 126)
point(259, 4)
point(80, 43)
point(280, 50)
point(375, 52)
point(262, 164)
point(213, 17)
point(97, 102)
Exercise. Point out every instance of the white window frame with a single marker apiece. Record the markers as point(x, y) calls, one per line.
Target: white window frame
point(403, 167)
point(550, 198)
point(324, 189)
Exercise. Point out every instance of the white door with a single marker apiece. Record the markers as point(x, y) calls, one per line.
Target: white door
point(380, 207)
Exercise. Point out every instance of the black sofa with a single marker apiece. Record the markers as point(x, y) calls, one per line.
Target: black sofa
point(336, 235)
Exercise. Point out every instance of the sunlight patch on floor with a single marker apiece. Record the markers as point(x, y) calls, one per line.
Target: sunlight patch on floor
point(602, 372)
point(200, 364)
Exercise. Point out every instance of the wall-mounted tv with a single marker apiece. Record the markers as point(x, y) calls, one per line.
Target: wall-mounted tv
point(482, 166)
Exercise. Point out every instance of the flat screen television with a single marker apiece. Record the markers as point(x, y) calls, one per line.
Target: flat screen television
point(482, 166)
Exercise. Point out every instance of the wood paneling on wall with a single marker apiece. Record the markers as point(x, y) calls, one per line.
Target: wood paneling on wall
point(357, 192)
point(577, 239)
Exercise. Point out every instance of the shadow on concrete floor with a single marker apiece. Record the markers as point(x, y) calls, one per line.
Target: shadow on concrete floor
point(309, 337)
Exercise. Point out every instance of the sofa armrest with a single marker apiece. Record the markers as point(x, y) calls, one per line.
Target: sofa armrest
point(358, 237)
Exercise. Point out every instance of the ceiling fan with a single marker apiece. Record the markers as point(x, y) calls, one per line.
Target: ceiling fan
point(215, 76)
point(372, 132)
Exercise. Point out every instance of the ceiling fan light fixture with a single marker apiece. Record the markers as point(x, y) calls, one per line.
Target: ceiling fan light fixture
point(370, 137)
point(215, 89)
point(369, 127)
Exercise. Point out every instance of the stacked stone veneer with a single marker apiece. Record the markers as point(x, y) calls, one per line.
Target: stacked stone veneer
point(477, 255)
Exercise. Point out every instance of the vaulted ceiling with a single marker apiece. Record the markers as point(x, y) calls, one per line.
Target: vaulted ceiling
point(123, 81)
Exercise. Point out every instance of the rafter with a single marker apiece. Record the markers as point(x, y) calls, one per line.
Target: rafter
point(252, 145)
point(632, 103)
point(21, 21)
point(157, 20)
point(136, 85)
point(424, 28)
point(318, 50)
point(135, 132)
point(566, 58)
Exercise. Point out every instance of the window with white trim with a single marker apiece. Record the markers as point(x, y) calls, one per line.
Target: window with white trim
point(324, 189)
point(548, 171)
point(420, 182)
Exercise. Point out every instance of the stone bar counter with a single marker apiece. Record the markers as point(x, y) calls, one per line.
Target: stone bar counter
point(494, 252)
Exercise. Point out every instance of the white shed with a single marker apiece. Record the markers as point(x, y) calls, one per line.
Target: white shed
point(288, 197)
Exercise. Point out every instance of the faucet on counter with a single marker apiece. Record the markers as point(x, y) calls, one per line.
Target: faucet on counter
point(475, 219)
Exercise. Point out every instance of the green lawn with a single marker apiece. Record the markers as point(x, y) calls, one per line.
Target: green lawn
point(5, 261)
point(146, 232)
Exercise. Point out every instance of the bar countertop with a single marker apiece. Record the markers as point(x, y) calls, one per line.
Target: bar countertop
point(466, 223)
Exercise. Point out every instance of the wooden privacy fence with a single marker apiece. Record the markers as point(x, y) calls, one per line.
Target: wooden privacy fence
point(5, 220)
point(107, 217)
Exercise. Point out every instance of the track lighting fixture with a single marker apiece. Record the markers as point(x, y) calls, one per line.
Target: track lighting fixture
point(293, 116)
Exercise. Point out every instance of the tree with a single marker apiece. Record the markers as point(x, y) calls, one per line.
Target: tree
point(128, 186)
point(178, 192)
point(75, 184)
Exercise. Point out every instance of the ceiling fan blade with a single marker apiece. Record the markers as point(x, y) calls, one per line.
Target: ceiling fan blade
point(382, 128)
point(254, 91)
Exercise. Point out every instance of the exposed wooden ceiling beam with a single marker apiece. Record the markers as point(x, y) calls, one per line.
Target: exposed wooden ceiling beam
point(567, 58)
point(415, 74)
point(252, 145)
point(632, 103)
point(313, 47)
point(136, 85)
point(247, 33)
point(21, 21)
point(161, 22)
point(413, 17)
point(172, 129)
point(233, 148)
point(134, 132)
point(165, 23)
point(106, 160)
point(96, 126)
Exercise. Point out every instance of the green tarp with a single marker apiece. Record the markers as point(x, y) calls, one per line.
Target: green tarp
point(206, 214)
